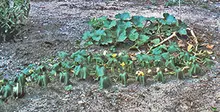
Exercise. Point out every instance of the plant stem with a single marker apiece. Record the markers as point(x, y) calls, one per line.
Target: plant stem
point(173, 35)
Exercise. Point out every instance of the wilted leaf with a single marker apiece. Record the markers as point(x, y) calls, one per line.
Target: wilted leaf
point(209, 46)
point(189, 47)
point(181, 44)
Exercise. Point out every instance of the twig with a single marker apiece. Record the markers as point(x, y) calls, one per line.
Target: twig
point(194, 38)
point(168, 38)
point(171, 36)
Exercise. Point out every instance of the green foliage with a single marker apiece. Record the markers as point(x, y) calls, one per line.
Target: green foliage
point(123, 77)
point(173, 2)
point(104, 82)
point(160, 77)
point(43, 80)
point(162, 59)
point(179, 73)
point(12, 16)
point(64, 77)
point(68, 88)
point(141, 79)
point(131, 28)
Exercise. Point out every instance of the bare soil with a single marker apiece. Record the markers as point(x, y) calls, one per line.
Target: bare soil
point(56, 25)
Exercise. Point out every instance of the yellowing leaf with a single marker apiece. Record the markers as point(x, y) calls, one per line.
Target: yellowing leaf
point(209, 52)
point(132, 56)
point(181, 44)
point(189, 47)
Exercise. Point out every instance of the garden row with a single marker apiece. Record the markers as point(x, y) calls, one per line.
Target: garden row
point(171, 49)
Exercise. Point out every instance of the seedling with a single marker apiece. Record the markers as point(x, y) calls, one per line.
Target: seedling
point(123, 77)
point(160, 77)
point(179, 73)
point(140, 77)
point(43, 80)
point(104, 82)
point(18, 90)
point(83, 73)
point(64, 77)
point(6, 90)
point(68, 88)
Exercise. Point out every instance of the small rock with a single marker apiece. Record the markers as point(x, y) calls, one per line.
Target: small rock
point(81, 102)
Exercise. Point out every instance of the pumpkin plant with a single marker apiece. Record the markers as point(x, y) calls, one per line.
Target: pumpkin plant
point(123, 77)
point(104, 81)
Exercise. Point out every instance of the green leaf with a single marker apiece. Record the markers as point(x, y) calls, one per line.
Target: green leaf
point(182, 31)
point(166, 55)
point(142, 40)
point(179, 73)
point(133, 35)
point(100, 71)
point(104, 82)
point(157, 57)
point(170, 19)
point(18, 90)
point(208, 62)
point(7, 90)
point(155, 41)
point(88, 43)
point(64, 77)
point(141, 79)
point(123, 16)
point(62, 54)
point(124, 58)
point(170, 64)
point(53, 72)
point(122, 37)
point(152, 19)
point(138, 21)
point(96, 38)
point(68, 88)
point(43, 80)
point(173, 48)
point(156, 51)
point(100, 32)
point(109, 24)
point(159, 77)
point(123, 77)
point(163, 22)
point(86, 35)
point(77, 70)
point(83, 73)
point(106, 40)
point(56, 66)
point(66, 64)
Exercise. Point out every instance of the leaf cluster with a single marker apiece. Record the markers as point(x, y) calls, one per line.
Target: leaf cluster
point(12, 16)
point(137, 30)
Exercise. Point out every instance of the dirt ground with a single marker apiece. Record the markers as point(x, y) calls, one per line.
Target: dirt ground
point(56, 25)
